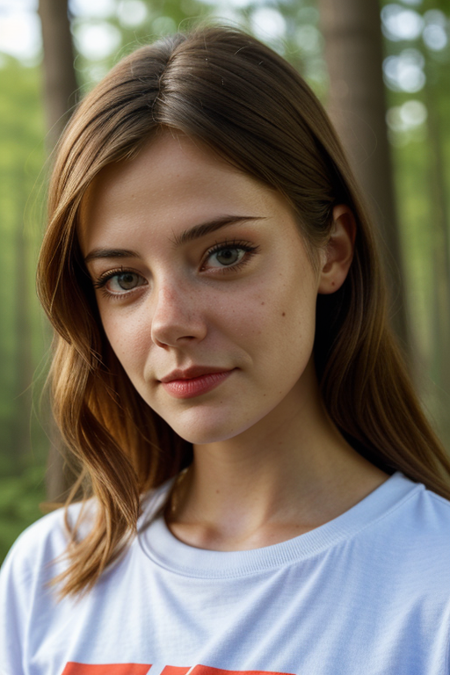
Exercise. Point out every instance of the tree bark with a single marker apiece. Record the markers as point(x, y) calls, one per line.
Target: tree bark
point(60, 84)
point(439, 229)
point(60, 95)
point(356, 105)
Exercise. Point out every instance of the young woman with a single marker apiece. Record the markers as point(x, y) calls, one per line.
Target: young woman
point(265, 494)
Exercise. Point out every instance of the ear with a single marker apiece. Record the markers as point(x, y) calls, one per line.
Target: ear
point(337, 255)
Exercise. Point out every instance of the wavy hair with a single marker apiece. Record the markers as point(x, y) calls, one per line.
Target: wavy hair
point(234, 94)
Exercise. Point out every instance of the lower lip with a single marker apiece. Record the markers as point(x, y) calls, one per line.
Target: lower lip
point(196, 386)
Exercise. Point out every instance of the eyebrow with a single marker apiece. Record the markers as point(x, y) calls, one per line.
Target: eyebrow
point(211, 226)
point(99, 253)
point(193, 233)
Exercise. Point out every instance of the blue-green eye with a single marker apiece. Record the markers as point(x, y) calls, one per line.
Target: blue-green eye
point(119, 282)
point(227, 256)
point(124, 282)
point(231, 254)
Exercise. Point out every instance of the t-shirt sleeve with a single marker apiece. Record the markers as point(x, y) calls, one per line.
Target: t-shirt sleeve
point(15, 584)
point(25, 595)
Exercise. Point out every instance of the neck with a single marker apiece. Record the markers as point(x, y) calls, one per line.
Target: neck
point(286, 475)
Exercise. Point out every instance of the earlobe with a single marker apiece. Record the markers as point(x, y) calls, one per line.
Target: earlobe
point(338, 252)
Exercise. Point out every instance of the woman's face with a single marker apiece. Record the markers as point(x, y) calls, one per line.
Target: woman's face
point(204, 287)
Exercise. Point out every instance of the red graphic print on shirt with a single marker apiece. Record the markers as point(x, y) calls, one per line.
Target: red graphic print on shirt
point(73, 668)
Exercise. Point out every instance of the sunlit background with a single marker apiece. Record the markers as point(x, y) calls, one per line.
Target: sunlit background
point(417, 81)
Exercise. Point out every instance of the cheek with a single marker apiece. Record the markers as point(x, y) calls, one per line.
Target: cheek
point(128, 336)
point(276, 324)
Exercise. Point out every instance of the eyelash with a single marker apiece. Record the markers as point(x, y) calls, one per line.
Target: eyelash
point(103, 279)
point(250, 250)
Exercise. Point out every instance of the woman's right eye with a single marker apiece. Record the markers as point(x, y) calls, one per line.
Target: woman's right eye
point(119, 283)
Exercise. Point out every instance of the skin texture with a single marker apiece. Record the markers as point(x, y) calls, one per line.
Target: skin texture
point(269, 464)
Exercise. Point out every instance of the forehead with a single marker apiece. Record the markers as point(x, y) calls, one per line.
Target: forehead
point(174, 182)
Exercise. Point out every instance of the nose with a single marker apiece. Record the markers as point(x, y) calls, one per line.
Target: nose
point(177, 318)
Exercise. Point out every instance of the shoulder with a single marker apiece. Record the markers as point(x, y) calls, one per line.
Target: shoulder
point(412, 539)
point(427, 523)
point(33, 561)
point(38, 552)
point(425, 515)
point(40, 545)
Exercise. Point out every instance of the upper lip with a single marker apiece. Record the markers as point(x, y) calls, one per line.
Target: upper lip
point(193, 371)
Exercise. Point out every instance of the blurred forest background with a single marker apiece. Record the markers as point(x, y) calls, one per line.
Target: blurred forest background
point(413, 69)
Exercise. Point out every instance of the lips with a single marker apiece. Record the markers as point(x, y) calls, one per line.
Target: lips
point(192, 372)
point(194, 381)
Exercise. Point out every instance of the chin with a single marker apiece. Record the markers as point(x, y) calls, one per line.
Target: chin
point(204, 434)
point(213, 424)
point(207, 425)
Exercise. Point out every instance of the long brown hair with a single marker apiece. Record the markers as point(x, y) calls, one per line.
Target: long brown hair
point(241, 99)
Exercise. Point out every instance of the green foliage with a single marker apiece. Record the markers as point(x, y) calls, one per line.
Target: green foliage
point(301, 42)
point(20, 496)
point(421, 155)
point(22, 443)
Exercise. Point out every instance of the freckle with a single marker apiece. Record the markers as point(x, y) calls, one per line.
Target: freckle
point(263, 303)
point(284, 314)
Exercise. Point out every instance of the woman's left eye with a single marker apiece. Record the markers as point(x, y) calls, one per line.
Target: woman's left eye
point(227, 256)
point(224, 256)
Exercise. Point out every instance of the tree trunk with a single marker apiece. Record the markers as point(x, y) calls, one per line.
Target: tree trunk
point(60, 94)
point(356, 105)
point(439, 231)
point(60, 84)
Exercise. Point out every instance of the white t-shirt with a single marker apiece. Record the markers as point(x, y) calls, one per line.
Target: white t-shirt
point(365, 594)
